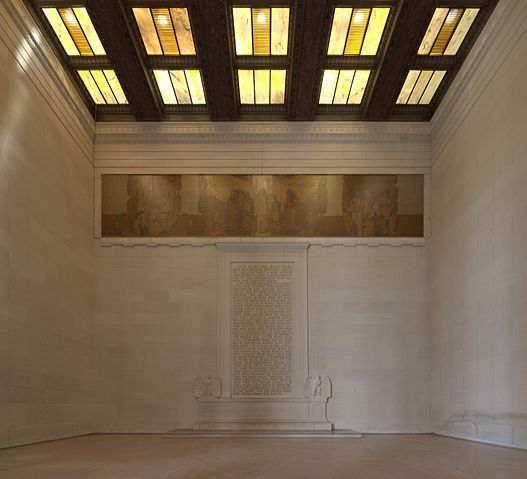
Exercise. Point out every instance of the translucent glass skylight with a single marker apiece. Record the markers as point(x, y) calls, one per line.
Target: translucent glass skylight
point(165, 31)
point(180, 87)
point(261, 31)
point(262, 87)
point(75, 31)
point(343, 87)
point(420, 87)
point(447, 30)
point(357, 31)
point(103, 86)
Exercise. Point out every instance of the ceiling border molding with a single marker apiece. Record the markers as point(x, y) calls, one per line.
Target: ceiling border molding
point(38, 61)
point(495, 43)
point(263, 132)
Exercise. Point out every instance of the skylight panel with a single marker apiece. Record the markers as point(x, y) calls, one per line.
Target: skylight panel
point(262, 87)
point(103, 86)
point(343, 87)
point(261, 31)
point(357, 31)
point(165, 31)
point(447, 31)
point(180, 87)
point(420, 87)
point(75, 31)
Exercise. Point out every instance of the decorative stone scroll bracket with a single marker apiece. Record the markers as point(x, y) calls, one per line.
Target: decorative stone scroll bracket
point(317, 388)
point(207, 387)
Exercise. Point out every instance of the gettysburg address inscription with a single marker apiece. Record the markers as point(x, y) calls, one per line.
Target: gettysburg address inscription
point(262, 329)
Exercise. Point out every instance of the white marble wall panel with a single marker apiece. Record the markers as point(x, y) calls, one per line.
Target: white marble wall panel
point(478, 252)
point(46, 253)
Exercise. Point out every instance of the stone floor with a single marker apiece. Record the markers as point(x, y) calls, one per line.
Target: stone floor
point(152, 457)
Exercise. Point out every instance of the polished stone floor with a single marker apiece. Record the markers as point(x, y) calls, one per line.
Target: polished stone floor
point(153, 457)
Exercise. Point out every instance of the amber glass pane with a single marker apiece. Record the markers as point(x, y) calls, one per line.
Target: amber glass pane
point(420, 86)
point(179, 82)
point(183, 30)
point(115, 85)
point(432, 87)
point(339, 31)
point(145, 22)
point(261, 18)
point(70, 20)
point(165, 87)
point(434, 28)
point(357, 30)
point(451, 21)
point(89, 30)
point(342, 90)
point(104, 86)
point(195, 86)
point(406, 91)
point(243, 30)
point(165, 31)
point(329, 83)
point(61, 31)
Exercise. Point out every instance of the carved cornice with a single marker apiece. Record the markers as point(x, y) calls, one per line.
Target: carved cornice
point(39, 62)
point(261, 132)
point(504, 28)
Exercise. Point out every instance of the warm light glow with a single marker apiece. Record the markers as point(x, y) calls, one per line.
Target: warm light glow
point(420, 87)
point(357, 31)
point(261, 31)
point(262, 87)
point(180, 87)
point(165, 31)
point(103, 86)
point(75, 31)
point(447, 31)
point(341, 87)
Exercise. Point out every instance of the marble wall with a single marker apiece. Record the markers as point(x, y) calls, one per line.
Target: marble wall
point(478, 251)
point(46, 254)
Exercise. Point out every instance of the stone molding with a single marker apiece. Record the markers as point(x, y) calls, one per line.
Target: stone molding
point(224, 242)
point(207, 387)
point(262, 132)
point(38, 61)
point(506, 25)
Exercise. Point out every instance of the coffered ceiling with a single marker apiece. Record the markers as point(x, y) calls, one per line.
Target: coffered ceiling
point(154, 60)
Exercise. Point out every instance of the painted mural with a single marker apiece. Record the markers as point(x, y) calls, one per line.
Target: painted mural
point(262, 205)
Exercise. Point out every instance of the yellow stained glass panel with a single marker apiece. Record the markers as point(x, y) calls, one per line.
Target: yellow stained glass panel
point(329, 83)
point(261, 86)
point(115, 85)
point(243, 30)
point(372, 40)
point(357, 30)
point(408, 86)
point(181, 23)
point(165, 31)
point(278, 78)
point(446, 32)
point(61, 31)
point(104, 86)
point(261, 18)
point(195, 86)
point(246, 85)
point(420, 87)
point(358, 88)
point(279, 31)
point(179, 82)
point(147, 28)
point(70, 20)
point(342, 90)
point(433, 31)
point(89, 30)
point(432, 87)
point(165, 87)
point(461, 31)
point(91, 86)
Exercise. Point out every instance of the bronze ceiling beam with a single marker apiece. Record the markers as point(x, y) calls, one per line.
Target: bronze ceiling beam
point(311, 36)
point(111, 22)
point(411, 25)
point(209, 23)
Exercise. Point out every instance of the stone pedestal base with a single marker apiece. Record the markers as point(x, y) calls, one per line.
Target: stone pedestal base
point(229, 414)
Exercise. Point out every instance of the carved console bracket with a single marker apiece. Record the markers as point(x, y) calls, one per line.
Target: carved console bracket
point(207, 387)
